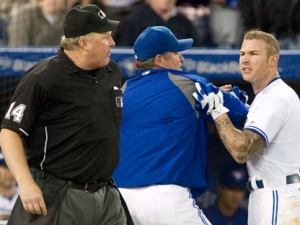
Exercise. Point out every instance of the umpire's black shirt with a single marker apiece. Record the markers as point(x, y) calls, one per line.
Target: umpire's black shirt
point(69, 118)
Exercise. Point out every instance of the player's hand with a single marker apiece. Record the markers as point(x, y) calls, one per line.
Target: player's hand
point(211, 99)
point(32, 198)
point(226, 87)
point(240, 94)
point(201, 95)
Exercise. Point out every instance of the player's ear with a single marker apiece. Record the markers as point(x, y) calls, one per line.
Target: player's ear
point(273, 59)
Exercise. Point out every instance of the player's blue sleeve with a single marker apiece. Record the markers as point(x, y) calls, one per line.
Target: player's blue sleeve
point(237, 109)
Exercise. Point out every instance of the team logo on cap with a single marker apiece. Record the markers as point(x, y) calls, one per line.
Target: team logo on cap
point(238, 175)
point(101, 14)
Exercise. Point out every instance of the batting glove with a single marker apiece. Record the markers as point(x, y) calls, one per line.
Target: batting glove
point(240, 94)
point(211, 99)
point(203, 101)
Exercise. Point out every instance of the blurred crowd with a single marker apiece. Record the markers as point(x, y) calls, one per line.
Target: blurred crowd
point(211, 23)
point(8, 190)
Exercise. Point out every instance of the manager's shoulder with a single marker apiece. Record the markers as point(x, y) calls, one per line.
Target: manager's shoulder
point(190, 76)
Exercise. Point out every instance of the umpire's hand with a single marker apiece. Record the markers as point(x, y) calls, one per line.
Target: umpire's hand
point(32, 198)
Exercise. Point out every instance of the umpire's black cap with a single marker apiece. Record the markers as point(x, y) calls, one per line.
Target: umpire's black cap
point(87, 18)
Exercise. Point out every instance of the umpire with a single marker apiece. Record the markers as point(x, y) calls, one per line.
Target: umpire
point(60, 135)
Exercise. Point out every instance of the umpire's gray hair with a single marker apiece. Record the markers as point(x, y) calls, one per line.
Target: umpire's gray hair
point(73, 43)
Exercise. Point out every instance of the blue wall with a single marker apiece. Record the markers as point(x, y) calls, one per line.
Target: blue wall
point(210, 63)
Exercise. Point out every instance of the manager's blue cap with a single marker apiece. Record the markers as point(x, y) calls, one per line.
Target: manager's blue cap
point(158, 40)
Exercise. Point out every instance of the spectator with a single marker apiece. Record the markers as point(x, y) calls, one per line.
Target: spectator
point(118, 10)
point(7, 9)
point(8, 190)
point(231, 192)
point(99, 3)
point(162, 167)
point(3, 30)
point(155, 13)
point(280, 18)
point(225, 24)
point(199, 13)
point(253, 15)
point(38, 24)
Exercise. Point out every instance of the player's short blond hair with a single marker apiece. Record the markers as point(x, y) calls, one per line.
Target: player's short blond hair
point(272, 44)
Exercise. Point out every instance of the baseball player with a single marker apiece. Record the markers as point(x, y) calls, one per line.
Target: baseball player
point(231, 191)
point(163, 143)
point(269, 142)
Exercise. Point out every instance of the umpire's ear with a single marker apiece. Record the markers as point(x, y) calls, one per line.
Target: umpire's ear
point(82, 42)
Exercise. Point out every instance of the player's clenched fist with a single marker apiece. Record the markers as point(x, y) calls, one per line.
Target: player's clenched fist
point(209, 99)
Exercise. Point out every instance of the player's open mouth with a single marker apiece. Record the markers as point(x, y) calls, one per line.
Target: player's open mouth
point(246, 69)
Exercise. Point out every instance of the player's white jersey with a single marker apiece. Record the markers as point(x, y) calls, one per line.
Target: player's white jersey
point(275, 115)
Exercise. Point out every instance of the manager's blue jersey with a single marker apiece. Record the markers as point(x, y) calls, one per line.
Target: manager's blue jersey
point(163, 137)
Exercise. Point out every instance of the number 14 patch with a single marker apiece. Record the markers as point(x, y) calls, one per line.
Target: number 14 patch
point(16, 112)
